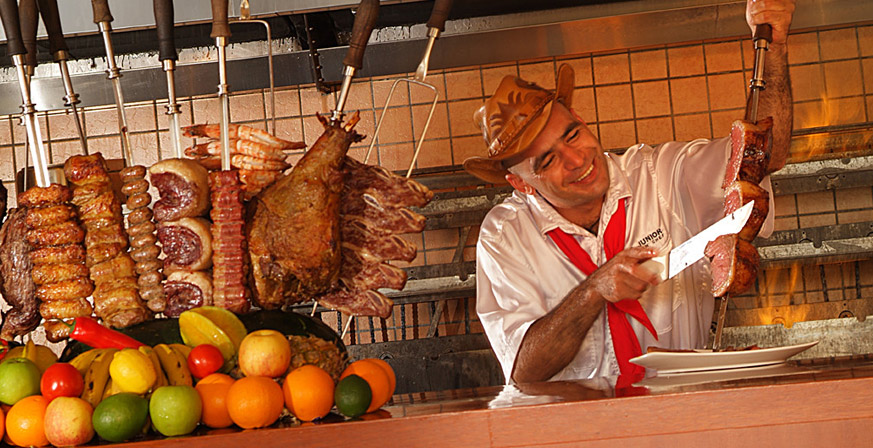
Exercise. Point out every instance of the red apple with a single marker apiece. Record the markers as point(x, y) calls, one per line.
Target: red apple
point(68, 422)
point(264, 353)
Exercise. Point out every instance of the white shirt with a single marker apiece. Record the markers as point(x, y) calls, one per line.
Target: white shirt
point(673, 193)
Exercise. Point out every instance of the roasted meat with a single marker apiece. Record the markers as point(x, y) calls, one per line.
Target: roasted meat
point(750, 151)
point(56, 240)
point(293, 234)
point(183, 188)
point(187, 243)
point(230, 267)
point(17, 286)
point(739, 194)
point(734, 264)
point(186, 290)
point(141, 236)
point(116, 296)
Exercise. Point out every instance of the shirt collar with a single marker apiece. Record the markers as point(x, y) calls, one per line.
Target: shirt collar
point(547, 218)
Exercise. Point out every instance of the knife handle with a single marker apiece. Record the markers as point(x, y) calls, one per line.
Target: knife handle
point(101, 11)
point(439, 14)
point(28, 17)
point(12, 27)
point(657, 266)
point(51, 18)
point(763, 31)
point(365, 21)
point(164, 17)
point(220, 27)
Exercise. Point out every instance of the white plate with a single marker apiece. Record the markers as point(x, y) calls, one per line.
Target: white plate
point(670, 362)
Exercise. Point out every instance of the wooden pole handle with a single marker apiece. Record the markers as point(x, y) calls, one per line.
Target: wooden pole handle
point(101, 11)
point(439, 14)
point(365, 21)
point(164, 16)
point(12, 27)
point(51, 18)
point(220, 27)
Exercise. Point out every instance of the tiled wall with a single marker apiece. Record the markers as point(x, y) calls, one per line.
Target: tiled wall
point(650, 95)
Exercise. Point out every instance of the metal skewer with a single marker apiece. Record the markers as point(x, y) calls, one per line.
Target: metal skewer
point(221, 32)
point(28, 16)
point(51, 18)
point(15, 48)
point(365, 20)
point(164, 18)
point(762, 38)
point(103, 19)
point(245, 17)
point(435, 24)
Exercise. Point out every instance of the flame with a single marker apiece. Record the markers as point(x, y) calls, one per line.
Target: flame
point(788, 314)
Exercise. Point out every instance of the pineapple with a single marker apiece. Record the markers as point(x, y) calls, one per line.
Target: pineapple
point(316, 351)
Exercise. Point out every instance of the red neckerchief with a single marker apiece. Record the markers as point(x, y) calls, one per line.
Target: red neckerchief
point(624, 340)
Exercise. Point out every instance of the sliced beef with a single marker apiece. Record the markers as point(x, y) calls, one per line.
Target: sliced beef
point(734, 264)
point(739, 194)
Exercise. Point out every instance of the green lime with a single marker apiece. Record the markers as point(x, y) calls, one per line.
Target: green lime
point(352, 396)
point(120, 417)
point(175, 410)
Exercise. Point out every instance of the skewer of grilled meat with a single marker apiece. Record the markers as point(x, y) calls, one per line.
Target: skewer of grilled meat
point(229, 252)
point(373, 214)
point(293, 234)
point(17, 285)
point(59, 272)
point(141, 237)
point(113, 271)
point(185, 237)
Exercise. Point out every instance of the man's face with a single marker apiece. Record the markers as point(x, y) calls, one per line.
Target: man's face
point(567, 165)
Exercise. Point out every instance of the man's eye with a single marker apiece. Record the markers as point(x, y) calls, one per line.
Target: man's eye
point(546, 162)
point(573, 135)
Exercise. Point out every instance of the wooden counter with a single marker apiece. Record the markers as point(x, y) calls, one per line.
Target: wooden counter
point(826, 402)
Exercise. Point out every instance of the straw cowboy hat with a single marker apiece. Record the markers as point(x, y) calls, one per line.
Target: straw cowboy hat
point(512, 118)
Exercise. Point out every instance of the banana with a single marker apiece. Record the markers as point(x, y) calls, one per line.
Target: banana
point(175, 365)
point(97, 376)
point(181, 348)
point(84, 360)
point(156, 364)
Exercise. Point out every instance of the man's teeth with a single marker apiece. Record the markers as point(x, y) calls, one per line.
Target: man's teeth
point(585, 174)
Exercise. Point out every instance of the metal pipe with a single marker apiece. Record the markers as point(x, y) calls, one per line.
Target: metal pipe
point(31, 124)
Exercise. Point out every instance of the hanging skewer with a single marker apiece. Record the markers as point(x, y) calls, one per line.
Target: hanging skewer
point(51, 18)
point(164, 18)
point(15, 48)
point(103, 19)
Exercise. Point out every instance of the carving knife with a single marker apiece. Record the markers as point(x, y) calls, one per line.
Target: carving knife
point(689, 252)
point(103, 19)
point(167, 54)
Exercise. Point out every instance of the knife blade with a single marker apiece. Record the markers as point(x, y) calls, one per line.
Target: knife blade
point(669, 265)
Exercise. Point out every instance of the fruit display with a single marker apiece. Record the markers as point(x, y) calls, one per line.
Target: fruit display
point(208, 369)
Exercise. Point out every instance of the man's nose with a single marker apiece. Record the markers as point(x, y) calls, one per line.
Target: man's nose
point(573, 157)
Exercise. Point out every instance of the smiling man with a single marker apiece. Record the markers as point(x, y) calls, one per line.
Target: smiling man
point(560, 290)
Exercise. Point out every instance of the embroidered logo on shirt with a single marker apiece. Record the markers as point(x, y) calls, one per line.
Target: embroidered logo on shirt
point(651, 238)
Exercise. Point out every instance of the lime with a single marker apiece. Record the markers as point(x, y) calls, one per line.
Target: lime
point(352, 396)
point(19, 378)
point(120, 417)
point(197, 329)
point(226, 321)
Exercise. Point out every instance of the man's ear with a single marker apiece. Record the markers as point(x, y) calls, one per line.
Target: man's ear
point(519, 184)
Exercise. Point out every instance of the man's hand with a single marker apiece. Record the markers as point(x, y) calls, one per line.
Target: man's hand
point(777, 13)
point(622, 277)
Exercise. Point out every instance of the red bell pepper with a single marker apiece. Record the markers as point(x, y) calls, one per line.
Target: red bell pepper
point(94, 335)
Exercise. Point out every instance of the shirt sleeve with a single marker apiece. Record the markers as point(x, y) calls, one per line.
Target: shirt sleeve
point(508, 300)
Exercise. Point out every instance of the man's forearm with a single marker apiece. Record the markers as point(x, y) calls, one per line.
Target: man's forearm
point(777, 101)
point(554, 339)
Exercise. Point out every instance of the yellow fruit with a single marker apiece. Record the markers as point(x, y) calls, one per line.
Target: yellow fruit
point(132, 371)
point(226, 321)
point(197, 329)
point(40, 355)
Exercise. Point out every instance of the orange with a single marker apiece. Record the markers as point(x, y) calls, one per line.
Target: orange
point(25, 421)
point(213, 394)
point(2, 425)
point(387, 367)
point(376, 377)
point(254, 402)
point(216, 378)
point(308, 392)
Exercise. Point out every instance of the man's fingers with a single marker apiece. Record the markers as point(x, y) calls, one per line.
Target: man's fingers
point(639, 253)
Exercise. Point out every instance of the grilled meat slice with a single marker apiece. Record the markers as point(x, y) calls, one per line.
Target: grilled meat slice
point(750, 151)
point(17, 286)
point(734, 264)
